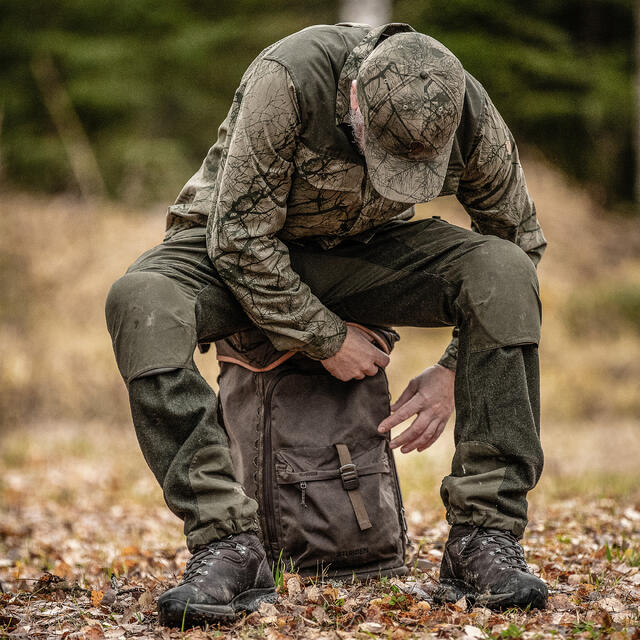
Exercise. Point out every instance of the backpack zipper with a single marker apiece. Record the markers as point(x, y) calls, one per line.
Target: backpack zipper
point(303, 493)
point(267, 482)
point(396, 484)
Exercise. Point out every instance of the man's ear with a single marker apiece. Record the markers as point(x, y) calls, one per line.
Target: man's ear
point(354, 95)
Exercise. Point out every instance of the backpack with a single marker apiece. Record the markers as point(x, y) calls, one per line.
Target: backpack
point(305, 446)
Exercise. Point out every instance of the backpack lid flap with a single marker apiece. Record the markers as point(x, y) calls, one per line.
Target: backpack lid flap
point(252, 349)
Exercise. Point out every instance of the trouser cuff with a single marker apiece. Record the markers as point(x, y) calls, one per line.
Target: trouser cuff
point(218, 530)
point(489, 519)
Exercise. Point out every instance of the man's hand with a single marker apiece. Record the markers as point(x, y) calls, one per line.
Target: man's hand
point(430, 396)
point(356, 358)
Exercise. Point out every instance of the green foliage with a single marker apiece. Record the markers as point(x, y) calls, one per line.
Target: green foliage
point(151, 82)
point(279, 569)
point(626, 553)
point(397, 598)
point(512, 632)
point(184, 615)
point(588, 630)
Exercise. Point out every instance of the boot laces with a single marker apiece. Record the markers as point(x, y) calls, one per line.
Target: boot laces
point(503, 545)
point(204, 555)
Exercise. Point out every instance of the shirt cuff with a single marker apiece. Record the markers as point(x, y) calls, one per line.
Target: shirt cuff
point(323, 347)
point(450, 357)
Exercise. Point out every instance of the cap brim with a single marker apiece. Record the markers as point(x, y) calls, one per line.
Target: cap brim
point(403, 180)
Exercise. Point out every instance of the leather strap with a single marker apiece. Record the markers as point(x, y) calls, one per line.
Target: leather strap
point(350, 478)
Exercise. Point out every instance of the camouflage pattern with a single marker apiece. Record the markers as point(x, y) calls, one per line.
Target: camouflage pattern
point(266, 182)
point(411, 94)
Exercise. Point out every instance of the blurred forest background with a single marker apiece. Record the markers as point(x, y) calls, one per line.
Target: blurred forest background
point(106, 109)
point(147, 83)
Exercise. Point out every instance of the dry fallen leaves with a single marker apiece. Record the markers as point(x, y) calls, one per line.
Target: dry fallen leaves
point(93, 567)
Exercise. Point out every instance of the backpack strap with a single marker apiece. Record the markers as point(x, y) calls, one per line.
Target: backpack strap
point(246, 365)
point(350, 482)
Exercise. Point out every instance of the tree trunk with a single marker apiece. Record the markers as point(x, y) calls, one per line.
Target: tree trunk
point(637, 109)
point(57, 100)
point(1, 159)
point(373, 12)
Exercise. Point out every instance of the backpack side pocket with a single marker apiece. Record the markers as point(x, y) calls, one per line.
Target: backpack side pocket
point(318, 525)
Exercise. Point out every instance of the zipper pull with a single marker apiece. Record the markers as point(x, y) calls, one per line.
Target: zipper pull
point(303, 493)
point(405, 527)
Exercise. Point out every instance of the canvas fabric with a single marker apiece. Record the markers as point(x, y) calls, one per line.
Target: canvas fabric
point(305, 446)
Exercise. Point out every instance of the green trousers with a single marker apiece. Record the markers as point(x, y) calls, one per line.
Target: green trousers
point(423, 274)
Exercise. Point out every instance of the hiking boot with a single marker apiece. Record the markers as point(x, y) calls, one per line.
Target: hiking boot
point(221, 579)
point(488, 567)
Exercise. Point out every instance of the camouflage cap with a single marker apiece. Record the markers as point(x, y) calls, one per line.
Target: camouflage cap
point(410, 91)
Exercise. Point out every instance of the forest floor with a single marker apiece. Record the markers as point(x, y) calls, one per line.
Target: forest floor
point(87, 546)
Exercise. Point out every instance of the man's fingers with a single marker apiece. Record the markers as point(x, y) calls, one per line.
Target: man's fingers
point(381, 358)
point(434, 435)
point(412, 433)
point(406, 395)
point(402, 414)
point(422, 436)
point(372, 370)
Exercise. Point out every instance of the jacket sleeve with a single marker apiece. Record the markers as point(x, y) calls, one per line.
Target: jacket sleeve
point(494, 193)
point(251, 209)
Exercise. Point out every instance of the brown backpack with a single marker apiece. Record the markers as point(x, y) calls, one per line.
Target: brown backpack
point(305, 445)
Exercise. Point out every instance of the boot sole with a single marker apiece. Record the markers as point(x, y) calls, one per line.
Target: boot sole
point(176, 613)
point(452, 590)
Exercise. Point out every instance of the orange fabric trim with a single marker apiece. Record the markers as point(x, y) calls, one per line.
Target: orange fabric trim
point(372, 334)
point(269, 367)
point(276, 363)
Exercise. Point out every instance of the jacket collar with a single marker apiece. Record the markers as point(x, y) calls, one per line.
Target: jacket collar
point(356, 58)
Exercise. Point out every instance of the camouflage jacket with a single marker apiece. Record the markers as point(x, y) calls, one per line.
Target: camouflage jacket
point(285, 168)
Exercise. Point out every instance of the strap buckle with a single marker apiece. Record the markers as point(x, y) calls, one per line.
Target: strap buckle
point(349, 475)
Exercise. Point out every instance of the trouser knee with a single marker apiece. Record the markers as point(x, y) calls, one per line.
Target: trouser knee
point(499, 297)
point(152, 324)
